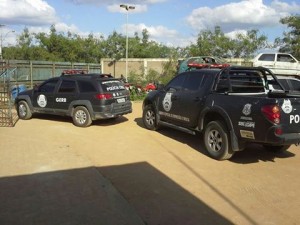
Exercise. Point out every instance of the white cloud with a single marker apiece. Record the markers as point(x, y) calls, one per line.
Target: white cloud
point(241, 15)
point(234, 33)
point(27, 12)
point(160, 34)
point(154, 31)
point(285, 7)
point(116, 2)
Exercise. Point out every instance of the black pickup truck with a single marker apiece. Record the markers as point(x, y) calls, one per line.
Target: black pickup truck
point(231, 107)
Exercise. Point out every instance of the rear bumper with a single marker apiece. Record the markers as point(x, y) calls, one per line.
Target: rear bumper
point(284, 139)
point(113, 110)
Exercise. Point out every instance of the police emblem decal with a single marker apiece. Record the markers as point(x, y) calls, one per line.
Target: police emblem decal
point(247, 109)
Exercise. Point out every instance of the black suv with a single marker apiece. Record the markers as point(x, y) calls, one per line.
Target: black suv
point(84, 97)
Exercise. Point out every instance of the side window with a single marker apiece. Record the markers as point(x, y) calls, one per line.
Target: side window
point(48, 87)
point(85, 86)
point(284, 58)
point(67, 86)
point(296, 85)
point(285, 84)
point(177, 82)
point(267, 57)
point(193, 82)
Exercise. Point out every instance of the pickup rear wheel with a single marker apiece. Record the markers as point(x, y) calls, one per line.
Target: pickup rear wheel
point(24, 111)
point(150, 118)
point(216, 141)
point(81, 117)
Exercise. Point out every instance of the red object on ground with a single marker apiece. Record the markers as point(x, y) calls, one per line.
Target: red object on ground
point(150, 87)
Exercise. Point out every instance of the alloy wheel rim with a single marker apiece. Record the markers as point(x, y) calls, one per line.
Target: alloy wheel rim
point(150, 118)
point(215, 140)
point(22, 110)
point(80, 116)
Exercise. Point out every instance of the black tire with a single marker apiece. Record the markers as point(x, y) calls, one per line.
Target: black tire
point(216, 141)
point(24, 111)
point(150, 118)
point(81, 117)
point(277, 148)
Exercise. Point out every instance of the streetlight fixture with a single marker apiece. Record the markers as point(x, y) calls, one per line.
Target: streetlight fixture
point(2, 37)
point(127, 7)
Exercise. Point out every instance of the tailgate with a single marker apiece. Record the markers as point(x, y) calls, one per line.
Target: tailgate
point(290, 114)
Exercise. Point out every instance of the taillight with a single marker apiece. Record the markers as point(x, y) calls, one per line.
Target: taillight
point(103, 96)
point(272, 113)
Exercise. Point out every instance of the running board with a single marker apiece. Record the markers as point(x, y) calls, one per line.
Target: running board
point(177, 127)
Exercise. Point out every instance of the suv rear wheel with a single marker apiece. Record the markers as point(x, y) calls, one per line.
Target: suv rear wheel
point(150, 118)
point(81, 117)
point(216, 141)
point(24, 111)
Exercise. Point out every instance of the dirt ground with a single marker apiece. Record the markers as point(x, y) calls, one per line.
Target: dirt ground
point(52, 172)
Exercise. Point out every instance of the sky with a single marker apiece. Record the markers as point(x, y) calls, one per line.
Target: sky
point(170, 22)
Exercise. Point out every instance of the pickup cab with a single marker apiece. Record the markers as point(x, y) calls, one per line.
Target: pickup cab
point(278, 63)
point(231, 107)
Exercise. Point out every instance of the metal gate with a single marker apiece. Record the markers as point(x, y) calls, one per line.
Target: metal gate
point(8, 114)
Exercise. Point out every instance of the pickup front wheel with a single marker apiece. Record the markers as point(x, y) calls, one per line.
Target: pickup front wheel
point(150, 118)
point(216, 141)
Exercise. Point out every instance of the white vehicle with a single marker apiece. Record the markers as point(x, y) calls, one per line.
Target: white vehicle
point(290, 83)
point(278, 63)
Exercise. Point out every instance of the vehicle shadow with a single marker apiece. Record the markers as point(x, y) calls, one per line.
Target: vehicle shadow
point(253, 153)
point(194, 141)
point(127, 194)
point(67, 119)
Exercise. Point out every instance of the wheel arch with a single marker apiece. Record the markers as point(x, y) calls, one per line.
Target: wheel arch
point(218, 114)
point(24, 98)
point(84, 103)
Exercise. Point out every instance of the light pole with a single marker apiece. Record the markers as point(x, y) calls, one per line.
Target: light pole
point(127, 7)
point(2, 38)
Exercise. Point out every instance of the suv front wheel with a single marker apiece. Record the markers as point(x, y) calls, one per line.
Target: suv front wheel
point(81, 117)
point(24, 111)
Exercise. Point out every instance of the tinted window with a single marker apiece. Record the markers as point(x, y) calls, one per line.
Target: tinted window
point(241, 82)
point(48, 87)
point(295, 84)
point(284, 83)
point(112, 85)
point(67, 86)
point(284, 58)
point(85, 86)
point(193, 82)
point(177, 82)
point(267, 57)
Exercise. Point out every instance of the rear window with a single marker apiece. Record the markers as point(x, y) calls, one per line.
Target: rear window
point(112, 85)
point(267, 57)
point(241, 82)
point(86, 86)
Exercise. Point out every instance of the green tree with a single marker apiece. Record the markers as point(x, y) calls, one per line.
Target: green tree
point(211, 43)
point(291, 39)
point(216, 43)
point(245, 45)
point(115, 46)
